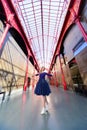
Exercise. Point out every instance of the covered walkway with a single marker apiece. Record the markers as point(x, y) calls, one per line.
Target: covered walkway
point(49, 33)
point(67, 111)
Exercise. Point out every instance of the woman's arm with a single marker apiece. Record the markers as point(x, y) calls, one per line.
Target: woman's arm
point(35, 75)
point(48, 74)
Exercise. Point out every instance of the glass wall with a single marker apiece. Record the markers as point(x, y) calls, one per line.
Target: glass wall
point(12, 64)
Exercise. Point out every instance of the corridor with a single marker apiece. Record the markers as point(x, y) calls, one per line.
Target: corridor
point(67, 111)
point(49, 34)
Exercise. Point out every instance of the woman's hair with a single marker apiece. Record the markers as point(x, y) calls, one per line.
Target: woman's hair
point(42, 69)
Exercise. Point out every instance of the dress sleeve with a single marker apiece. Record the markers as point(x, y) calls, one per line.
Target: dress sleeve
point(36, 74)
point(48, 74)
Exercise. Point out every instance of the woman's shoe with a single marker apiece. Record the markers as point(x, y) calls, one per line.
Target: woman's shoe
point(43, 111)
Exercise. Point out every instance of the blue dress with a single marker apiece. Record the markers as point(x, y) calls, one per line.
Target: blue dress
point(42, 87)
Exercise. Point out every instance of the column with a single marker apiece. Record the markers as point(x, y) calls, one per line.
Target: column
point(55, 76)
point(33, 80)
point(63, 78)
point(26, 75)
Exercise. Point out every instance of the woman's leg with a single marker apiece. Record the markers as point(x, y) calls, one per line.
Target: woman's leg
point(44, 103)
point(44, 100)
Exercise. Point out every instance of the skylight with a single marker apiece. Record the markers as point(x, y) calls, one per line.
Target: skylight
point(42, 21)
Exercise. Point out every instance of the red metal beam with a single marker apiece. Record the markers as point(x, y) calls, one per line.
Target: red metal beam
point(42, 27)
point(48, 28)
point(15, 23)
point(36, 26)
point(77, 21)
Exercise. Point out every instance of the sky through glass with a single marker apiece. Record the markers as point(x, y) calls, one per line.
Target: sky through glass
point(42, 21)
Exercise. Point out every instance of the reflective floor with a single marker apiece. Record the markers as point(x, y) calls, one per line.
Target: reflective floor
point(67, 111)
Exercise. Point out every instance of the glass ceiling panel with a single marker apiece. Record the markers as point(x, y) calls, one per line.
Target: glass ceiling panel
point(42, 21)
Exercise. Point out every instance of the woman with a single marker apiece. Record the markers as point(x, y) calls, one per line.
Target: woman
point(42, 88)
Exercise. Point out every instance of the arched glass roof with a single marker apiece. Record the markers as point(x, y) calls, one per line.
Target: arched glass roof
point(42, 21)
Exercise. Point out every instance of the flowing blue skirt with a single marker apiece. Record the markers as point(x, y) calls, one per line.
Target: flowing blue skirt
point(42, 88)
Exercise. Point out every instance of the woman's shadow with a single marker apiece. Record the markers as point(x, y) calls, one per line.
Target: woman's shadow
point(45, 121)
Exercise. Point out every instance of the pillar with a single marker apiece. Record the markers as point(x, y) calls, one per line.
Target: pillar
point(26, 75)
point(33, 81)
point(55, 77)
point(63, 77)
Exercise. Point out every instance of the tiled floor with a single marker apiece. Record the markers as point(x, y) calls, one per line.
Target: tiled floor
point(67, 111)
